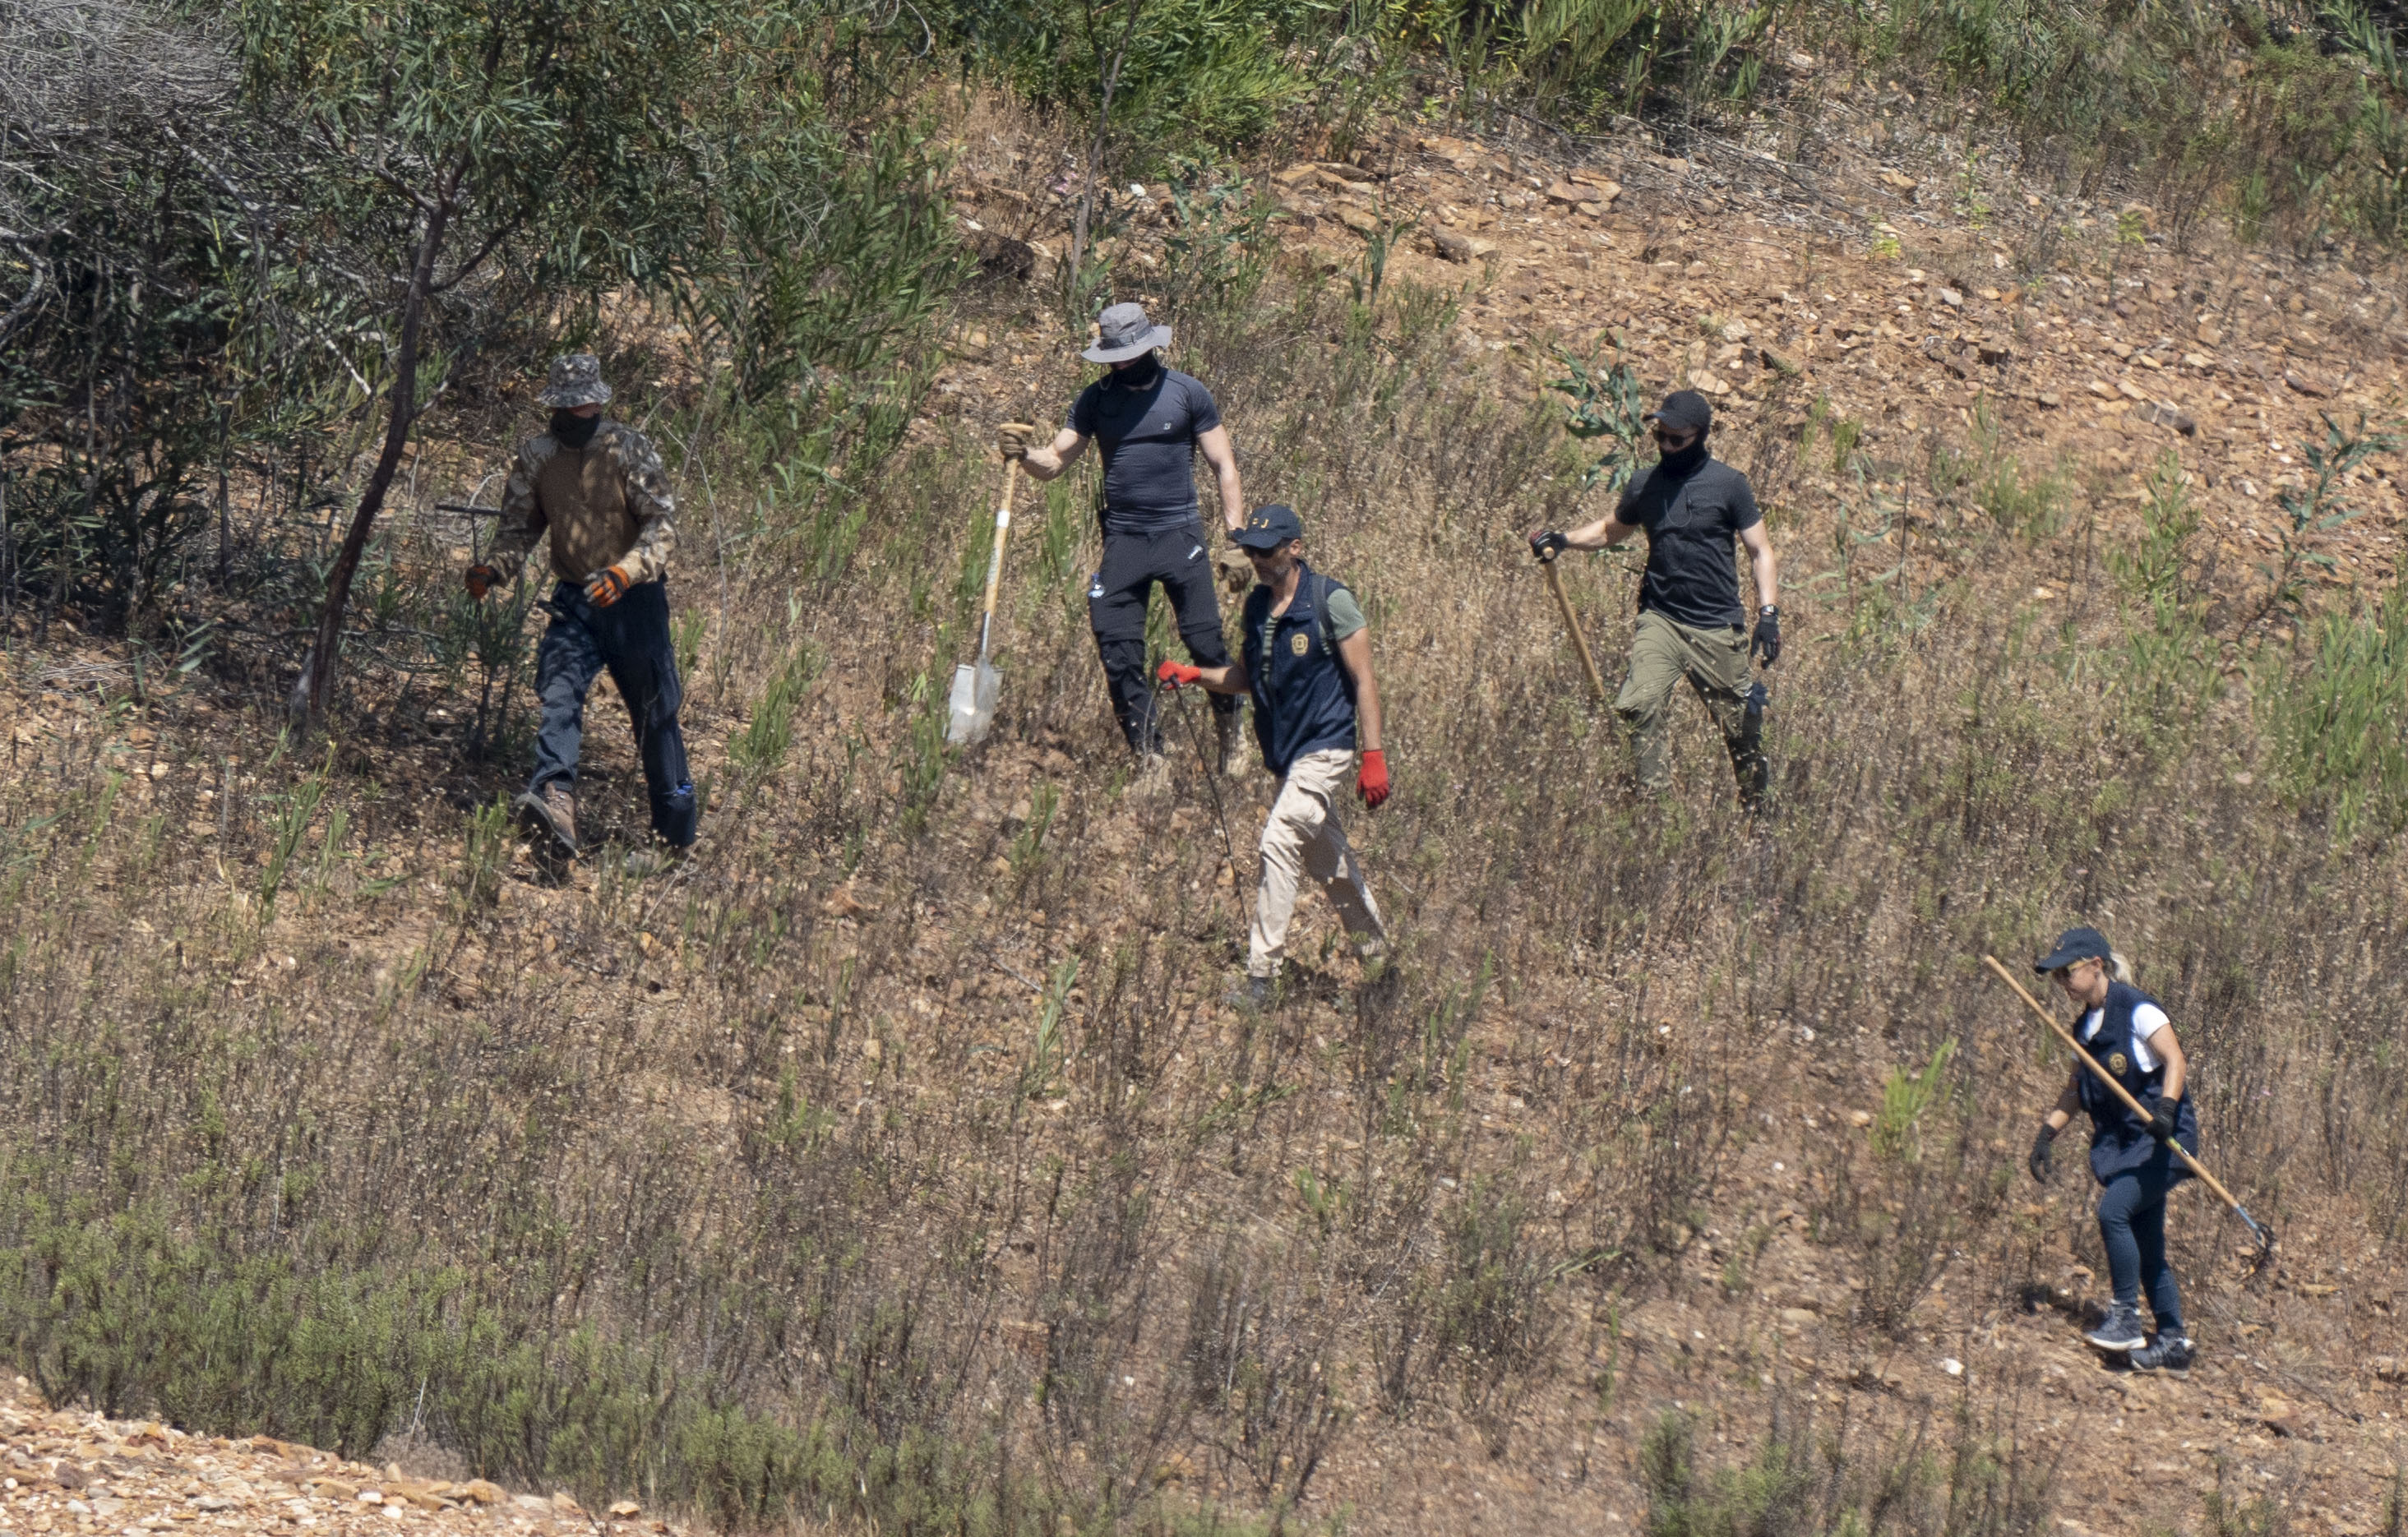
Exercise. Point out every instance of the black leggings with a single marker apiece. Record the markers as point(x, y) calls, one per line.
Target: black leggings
point(1181, 559)
point(2132, 1225)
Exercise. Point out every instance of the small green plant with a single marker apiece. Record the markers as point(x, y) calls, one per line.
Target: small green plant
point(2315, 508)
point(1886, 248)
point(1026, 845)
point(1971, 205)
point(1045, 1052)
point(485, 854)
point(685, 632)
point(292, 821)
point(760, 748)
point(2131, 228)
point(1898, 1129)
point(1607, 403)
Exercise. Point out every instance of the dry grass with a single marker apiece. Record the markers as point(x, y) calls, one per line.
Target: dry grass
point(894, 1160)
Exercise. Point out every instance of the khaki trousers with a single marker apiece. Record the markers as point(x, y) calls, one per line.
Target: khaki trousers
point(1303, 837)
point(1663, 652)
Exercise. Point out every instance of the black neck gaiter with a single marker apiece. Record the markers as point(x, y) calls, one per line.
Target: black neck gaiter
point(573, 430)
point(1140, 375)
point(1685, 462)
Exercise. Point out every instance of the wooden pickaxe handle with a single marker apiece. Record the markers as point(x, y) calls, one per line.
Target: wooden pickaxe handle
point(2264, 1236)
point(1572, 623)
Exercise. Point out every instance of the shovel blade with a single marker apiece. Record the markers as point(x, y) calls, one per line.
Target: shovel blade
point(972, 709)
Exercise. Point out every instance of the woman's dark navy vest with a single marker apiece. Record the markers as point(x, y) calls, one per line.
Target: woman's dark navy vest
point(2120, 1142)
point(1304, 696)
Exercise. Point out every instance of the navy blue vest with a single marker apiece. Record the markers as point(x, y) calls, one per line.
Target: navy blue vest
point(2120, 1142)
point(1304, 696)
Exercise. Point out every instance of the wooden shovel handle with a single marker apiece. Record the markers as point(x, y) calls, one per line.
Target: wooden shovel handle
point(1571, 624)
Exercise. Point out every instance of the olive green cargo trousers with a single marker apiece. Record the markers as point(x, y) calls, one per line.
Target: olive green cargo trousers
point(1662, 653)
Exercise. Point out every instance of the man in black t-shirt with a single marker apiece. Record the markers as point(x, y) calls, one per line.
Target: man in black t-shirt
point(1690, 622)
point(1149, 420)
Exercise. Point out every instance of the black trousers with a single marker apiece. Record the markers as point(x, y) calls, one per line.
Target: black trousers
point(1181, 561)
point(631, 640)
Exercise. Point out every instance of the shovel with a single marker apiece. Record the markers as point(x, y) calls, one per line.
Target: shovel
point(971, 710)
point(2259, 1230)
point(1572, 625)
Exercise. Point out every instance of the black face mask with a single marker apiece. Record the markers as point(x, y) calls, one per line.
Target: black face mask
point(1140, 375)
point(573, 430)
point(1687, 459)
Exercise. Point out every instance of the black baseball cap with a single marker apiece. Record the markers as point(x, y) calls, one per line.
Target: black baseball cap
point(1684, 409)
point(1270, 527)
point(2072, 946)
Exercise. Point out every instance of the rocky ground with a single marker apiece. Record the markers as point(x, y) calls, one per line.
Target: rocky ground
point(2095, 337)
point(73, 1471)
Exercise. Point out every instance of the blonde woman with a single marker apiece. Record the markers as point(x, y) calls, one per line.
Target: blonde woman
point(2127, 1033)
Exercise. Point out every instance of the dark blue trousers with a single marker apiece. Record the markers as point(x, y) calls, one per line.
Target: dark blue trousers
point(2132, 1225)
point(631, 638)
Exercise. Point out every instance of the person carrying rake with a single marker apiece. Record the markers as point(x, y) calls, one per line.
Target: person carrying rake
point(2127, 1033)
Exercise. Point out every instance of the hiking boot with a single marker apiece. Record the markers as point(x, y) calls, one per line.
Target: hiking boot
point(550, 811)
point(654, 859)
point(2121, 1329)
point(1251, 996)
point(2164, 1353)
point(1231, 737)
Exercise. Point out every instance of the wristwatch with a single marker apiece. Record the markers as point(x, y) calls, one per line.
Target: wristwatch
point(1769, 611)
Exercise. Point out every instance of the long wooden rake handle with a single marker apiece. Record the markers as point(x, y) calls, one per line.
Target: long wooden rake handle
point(1571, 624)
point(2264, 1235)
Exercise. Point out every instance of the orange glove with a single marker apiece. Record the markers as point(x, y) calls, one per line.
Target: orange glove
point(481, 579)
point(1372, 782)
point(1177, 675)
point(604, 588)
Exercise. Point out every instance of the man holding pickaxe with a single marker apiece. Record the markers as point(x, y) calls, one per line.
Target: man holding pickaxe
point(1691, 624)
point(1150, 422)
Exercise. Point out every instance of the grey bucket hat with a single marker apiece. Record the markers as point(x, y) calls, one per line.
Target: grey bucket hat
point(576, 381)
point(1125, 333)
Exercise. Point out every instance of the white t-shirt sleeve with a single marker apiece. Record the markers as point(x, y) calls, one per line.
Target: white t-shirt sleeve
point(2147, 1020)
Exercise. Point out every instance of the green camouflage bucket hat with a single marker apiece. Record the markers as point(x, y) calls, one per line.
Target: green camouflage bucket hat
point(576, 381)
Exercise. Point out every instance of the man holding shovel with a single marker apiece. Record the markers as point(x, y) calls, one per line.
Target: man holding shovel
point(598, 488)
point(1690, 622)
point(1149, 422)
point(1306, 659)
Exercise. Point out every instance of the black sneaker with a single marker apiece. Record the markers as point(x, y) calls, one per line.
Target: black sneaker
point(2120, 1332)
point(2164, 1353)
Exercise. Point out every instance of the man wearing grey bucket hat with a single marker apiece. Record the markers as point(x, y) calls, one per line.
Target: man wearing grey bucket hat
point(1149, 422)
point(598, 488)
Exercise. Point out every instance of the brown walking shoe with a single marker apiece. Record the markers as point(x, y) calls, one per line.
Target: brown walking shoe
point(550, 811)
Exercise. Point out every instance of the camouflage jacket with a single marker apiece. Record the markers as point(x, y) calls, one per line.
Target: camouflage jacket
point(605, 505)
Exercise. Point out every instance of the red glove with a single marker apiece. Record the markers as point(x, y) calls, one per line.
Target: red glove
point(604, 588)
point(1177, 674)
point(1373, 783)
point(480, 578)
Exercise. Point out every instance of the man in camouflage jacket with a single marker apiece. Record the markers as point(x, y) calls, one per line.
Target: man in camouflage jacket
point(598, 488)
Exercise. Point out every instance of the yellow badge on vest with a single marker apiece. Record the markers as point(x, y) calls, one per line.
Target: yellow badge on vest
point(2118, 1063)
point(1300, 642)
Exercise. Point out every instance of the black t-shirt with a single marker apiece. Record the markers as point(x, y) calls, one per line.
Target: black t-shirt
point(1148, 441)
point(1692, 574)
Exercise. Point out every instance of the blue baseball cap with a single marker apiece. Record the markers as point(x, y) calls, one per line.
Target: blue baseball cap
point(1270, 527)
point(2072, 946)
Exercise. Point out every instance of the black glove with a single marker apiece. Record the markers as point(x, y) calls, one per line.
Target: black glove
point(2042, 1140)
point(1547, 544)
point(2162, 1121)
point(1767, 645)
